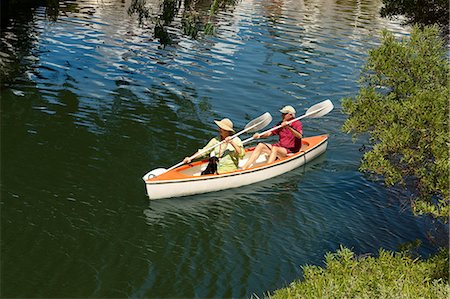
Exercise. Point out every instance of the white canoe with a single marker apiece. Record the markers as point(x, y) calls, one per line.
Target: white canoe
point(186, 179)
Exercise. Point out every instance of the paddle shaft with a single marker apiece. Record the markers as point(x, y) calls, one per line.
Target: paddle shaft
point(213, 146)
point(288, 123)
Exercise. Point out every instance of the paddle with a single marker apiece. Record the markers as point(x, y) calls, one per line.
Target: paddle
point(254, 125)
point(314, 111)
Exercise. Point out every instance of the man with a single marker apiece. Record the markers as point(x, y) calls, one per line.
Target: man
point(290, 139)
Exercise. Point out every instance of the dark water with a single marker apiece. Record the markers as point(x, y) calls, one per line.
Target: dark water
point(91, 100)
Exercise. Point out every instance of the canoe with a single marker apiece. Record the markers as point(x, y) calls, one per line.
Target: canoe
point(186, 179)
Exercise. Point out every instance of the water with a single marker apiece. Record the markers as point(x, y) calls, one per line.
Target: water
point(91, 100)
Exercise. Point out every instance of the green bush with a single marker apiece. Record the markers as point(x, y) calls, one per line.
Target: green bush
point(403, 105)
point(390, 275)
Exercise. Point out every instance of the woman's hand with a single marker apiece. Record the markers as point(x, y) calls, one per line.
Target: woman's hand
point(256, 136)
point(229, 140)
point(187, 160)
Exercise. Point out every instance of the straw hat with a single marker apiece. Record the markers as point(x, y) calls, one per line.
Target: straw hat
point(225, 124)
point(288, 109)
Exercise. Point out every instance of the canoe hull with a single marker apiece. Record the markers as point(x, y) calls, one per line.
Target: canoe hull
point(190, 185)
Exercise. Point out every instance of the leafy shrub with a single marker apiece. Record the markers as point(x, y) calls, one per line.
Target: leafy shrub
point(390, 275)
point(403, 104)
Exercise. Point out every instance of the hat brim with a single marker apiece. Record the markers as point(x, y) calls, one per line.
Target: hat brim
point(223, 126)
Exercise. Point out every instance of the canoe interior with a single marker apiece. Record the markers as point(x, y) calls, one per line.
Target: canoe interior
point(194, 170)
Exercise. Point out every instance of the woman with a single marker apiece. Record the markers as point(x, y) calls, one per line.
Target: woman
point(228, 152)
point(290, 139)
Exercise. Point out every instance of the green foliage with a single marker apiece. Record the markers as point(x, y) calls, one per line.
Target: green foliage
point(403, 105)
point(390, 275)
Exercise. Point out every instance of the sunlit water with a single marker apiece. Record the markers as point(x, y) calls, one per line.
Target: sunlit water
point(93, 101)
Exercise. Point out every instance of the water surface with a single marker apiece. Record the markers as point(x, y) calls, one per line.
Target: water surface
point(91, 100)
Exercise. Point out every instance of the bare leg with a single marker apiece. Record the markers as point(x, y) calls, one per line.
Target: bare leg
point(277, 152)
point(260, 148)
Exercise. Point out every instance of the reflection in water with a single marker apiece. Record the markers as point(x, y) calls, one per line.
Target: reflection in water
point(224, 225)
point(19, 34)
point(196, 16)
point(279, 188)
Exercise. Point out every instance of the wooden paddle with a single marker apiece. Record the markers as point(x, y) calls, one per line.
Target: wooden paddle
point(314, 111)
point(254, 125)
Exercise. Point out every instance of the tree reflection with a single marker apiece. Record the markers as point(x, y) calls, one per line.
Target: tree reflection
point(420, 12)
point(18, 33)
point(196, 16)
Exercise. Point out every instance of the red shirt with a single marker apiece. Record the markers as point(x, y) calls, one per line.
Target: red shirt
point(287, 138)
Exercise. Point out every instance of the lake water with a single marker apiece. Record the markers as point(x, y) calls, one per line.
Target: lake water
point(91, 100)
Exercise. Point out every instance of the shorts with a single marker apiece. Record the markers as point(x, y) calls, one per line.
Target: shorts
point(288, 150)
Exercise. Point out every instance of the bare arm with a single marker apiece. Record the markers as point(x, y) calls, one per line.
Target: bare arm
point(236, 147)
point(296, 133)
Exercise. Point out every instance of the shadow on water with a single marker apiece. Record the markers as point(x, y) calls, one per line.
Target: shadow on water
point(82, 163)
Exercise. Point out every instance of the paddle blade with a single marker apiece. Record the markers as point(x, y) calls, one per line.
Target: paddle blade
point(259, 122)
point(319, 109)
